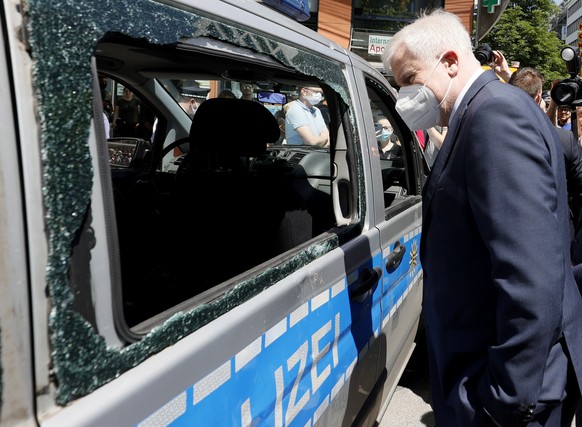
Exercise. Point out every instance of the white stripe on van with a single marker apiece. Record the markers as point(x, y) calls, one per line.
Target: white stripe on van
point(298, 314)
point(211, 382)
point(275, 332)
point(319, 300)
point(167, 413)
point(247, 354)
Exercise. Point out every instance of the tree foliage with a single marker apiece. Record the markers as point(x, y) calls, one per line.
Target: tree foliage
point(522, 34)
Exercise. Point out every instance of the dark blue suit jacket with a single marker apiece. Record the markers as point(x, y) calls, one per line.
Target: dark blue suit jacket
point(573, 158)
point(500, 302)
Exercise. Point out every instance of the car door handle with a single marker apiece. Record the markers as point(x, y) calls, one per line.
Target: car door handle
point(395, 257)
point(368, 278)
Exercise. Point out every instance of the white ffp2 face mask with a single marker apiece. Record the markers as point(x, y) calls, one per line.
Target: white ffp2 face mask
point(418, 106)
point(315, 98)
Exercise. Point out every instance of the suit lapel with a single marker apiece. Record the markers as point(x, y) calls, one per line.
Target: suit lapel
point(451, 139)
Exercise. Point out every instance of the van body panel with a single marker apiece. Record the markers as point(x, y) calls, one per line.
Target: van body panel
point(16, 389)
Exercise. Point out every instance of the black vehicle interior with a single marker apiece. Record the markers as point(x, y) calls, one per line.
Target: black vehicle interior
point(228, 199)
point(245, 205)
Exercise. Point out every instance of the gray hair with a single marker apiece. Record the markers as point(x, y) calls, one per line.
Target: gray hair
point(430, 36)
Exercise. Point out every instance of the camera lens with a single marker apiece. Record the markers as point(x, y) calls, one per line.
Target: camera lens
point(564, 93)
point(484, 54)
point(482, 58)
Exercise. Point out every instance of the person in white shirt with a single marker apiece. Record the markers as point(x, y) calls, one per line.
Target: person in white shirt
point(304, 124)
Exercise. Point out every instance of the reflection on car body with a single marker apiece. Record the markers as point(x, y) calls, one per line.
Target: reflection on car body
point(201, 271)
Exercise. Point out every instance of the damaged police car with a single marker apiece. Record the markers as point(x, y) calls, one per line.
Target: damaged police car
point(167, 259)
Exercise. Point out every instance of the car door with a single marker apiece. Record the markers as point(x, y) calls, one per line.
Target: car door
point(400, 241)
point(398, 172)
point(291, 341)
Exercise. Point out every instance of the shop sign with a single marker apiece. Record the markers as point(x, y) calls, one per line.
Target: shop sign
point(377, 44)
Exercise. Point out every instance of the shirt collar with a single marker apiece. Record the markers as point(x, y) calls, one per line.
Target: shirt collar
point(312, 110)
point(471, 80)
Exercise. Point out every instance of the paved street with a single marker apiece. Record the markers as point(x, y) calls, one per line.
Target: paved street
point(410, 405)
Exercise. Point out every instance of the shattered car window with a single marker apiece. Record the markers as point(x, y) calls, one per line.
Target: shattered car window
point(63, 35)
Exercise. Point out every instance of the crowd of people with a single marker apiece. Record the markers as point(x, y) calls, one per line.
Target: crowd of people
point(502, 308)
point(303, 120)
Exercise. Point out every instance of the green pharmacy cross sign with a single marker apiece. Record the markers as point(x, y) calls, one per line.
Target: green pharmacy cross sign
point(490, 5)
point(488, 14)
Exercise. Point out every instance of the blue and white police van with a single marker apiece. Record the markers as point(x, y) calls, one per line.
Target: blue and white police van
point(166, 258)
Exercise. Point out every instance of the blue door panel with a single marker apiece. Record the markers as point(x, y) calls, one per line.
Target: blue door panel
point(289, 375)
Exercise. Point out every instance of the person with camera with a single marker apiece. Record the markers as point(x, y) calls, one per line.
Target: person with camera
point(500, 305)
point(495, 59)
point(561, 116)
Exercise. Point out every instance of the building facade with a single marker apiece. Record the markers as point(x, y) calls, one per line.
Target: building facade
point(572, 15)
point(365, 26)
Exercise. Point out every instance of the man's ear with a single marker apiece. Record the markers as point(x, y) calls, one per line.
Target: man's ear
point(452, 60)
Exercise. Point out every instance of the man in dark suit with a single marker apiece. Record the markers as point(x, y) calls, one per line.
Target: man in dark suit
point(501, 308)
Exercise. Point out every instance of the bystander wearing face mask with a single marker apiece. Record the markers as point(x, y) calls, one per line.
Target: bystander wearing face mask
point(314, 98)
point(418, 106)
point(385, 135)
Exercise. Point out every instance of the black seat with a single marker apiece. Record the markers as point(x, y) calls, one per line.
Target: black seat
point(225, 130)
point(233, 215)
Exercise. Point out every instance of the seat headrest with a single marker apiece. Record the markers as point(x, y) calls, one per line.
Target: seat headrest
point(233, 127)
